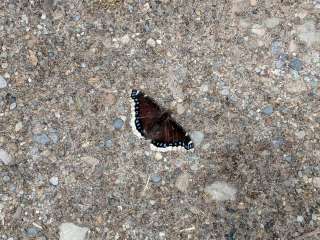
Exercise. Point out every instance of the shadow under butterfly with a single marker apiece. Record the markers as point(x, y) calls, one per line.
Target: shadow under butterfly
point(150, 121)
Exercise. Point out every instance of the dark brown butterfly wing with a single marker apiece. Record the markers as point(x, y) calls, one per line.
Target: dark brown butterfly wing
point(147, 113)
point(171, 134)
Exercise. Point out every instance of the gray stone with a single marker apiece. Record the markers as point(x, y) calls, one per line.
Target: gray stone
point(5, 157)
point(182, 182)
point(268, 110)
point(54, 181)
point(53, 135)
point(41, 138)
point(32, 232)
point(3, 82)
point(221, 191)
point(308, 33)
point(70, 231)
point(272, 22)
point(108, 143)
point(296, 64)
point(276, 47)
point(6, 178)
point(197, 137)
point(151, 42)
point(156, 179)
point(288, 158)
point(118, 123)
point(277, 143)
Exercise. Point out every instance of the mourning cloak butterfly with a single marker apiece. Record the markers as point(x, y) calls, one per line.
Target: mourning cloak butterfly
point(152, 122)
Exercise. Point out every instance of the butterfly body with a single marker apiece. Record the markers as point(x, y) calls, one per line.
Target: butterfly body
point(151, 121)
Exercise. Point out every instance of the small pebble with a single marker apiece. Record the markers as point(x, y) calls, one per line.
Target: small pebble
point(70, 231)
point(272, 22)
point(156, 179)
point(180, 108)
point(316, 182)
point(259, 30)
point(125, 39)
point(32, 232)
point(182, 182)
point(197, 137)
point(18, 126)
point(288, 158)
point(300, 219)
point(118, 123)
point(108, 143)
point(268, 110)
point(151, 42)
point(296, 64)
point(53, 135)
point(277, 143)
point(158, 156)
point(6, 178)
point(3, 82)
point(300, 134)
point(54, 181)
point(221, 191)
point(5, 157)
point(276, 47)
point(41, 138)
point(76, 18)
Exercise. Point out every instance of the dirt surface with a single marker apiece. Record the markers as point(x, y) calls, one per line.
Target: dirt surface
point(242, 76)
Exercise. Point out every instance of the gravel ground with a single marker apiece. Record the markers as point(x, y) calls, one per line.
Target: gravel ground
point(241, 75)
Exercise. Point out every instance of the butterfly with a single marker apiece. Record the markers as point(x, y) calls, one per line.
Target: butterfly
point(150, 121)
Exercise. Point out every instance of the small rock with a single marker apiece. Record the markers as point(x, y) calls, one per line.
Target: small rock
point(118, 123)
point(197, 137)
point(70, 231)
point(288, 158)
point(5, 157)
point(3, 82)
point(76, 17)
point(268, 110)
point(300, 134)
point(32, 232)
point(6, 178)
point(316, 182)
point(253, 2)
point(33, 58)
point(83, 65)
point(300, 219)
point(296, 86)
point(41, 138)
point(272, 22)
point(18, 126)
point(125, 39)
point(110, 99)
point(54, 181)
point(276, 47)
point(296, 64)
point(277, 143)
point(53, 135)
point(158, 156)
point(221, 191)
point(108, 143)
point(180, 108)
point(182, 182)
point(225, 91)
point(151, 42)
point(90, 160)
point(308, 33)
point(156, 179)
point(259, 30)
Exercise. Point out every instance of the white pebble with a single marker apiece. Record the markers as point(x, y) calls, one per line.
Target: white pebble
point(3, 82)
point(5, 157)
point(158, 156)
point(197, 137)
point(54, 181)
point(221, 191)
point(70, 231)
point(151, 42)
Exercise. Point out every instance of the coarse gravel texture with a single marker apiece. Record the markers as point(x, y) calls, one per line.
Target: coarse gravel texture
point(241, 74)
